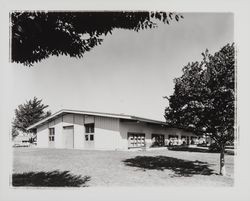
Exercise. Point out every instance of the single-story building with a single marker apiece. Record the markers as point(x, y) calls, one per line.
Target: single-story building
point(75, 129)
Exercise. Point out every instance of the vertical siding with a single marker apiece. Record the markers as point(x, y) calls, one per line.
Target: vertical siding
point(79, 131)
point(43, 133)
point(59, 140)
point(51, 123)
point(134, 127)
point(107, 134)
point(77, 121)
point(89, 119)
point(110, 133)
point(43, 136)
point(107, 123)
point(148, 130)
point(68, 118)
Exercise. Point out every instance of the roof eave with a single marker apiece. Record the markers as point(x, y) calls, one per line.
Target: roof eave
point(64, 111)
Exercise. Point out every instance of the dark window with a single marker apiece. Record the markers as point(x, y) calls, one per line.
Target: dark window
point(91, 137)
point(89, 128)
point(86, 137)
point(51, 134)
point(158, 140)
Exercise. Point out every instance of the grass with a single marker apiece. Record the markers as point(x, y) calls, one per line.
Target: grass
point(118, 168)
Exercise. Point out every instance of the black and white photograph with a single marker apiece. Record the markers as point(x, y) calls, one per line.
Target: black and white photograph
point(107, 98)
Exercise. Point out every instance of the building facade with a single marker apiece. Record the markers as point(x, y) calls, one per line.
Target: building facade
point(102, 131)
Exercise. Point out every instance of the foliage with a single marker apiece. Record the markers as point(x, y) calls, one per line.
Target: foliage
point(204, 96)
point(214, 147)
point(37, 35)
point(14, 132)
point(29, 113)
point(49, 179)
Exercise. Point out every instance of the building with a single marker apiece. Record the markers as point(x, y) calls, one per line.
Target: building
point(104, 131)
point(21, 140)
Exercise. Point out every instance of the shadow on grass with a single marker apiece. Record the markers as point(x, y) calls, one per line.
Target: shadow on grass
point(178, 166)
point(49, 179)
point(189, 149)
point(197, 149)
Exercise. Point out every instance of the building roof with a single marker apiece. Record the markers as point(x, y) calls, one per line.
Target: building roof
point(101, 114)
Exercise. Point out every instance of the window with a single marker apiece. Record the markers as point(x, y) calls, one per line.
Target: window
point(174, 140)
point(89, 128)
point(158, 140)
point(51, 134)
point(136, 140)
point(86, 137)
point(194, 140)
point(91, 137)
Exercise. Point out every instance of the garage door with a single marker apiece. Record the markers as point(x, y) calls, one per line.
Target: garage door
point(68, 132)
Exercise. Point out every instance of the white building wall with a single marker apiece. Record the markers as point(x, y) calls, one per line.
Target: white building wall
point(59, 139)
point(43, 133)
point(68, 119)
point(89, 119)
point(43, 136)
point(133, 127)
point(148, 130)
point(107, 135)
point(77, 121)
point(110, 133)
point(179, 132)
point(57, 124)
point(79, 131)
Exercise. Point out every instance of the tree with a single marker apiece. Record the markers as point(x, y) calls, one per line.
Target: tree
point(204, 98)
point(29, 113)
point(37, 35)
point(14, 133)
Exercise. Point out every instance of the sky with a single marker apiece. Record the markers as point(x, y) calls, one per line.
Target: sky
point(129, 73)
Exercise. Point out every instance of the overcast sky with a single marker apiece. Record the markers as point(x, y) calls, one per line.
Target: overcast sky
point(129, 73)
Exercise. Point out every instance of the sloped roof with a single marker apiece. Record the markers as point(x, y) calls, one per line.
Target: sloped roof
point(101, 114)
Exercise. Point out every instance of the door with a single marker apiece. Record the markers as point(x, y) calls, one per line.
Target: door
point(51, 137)
point(89, 136)
point(68, 132)
point(89, 141)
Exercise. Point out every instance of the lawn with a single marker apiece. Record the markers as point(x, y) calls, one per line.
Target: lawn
point(62, 167)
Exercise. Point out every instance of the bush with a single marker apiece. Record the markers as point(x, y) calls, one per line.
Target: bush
point(202, 145)
point(214, 147)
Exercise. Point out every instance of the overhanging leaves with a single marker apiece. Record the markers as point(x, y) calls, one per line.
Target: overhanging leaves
point(38, 35)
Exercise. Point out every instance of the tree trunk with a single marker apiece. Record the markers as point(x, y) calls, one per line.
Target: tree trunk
point(222, 161)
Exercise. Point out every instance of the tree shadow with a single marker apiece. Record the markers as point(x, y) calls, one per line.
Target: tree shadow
point(189, 149)
point(49, 179)
point(197, 149)
point(178, 166)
